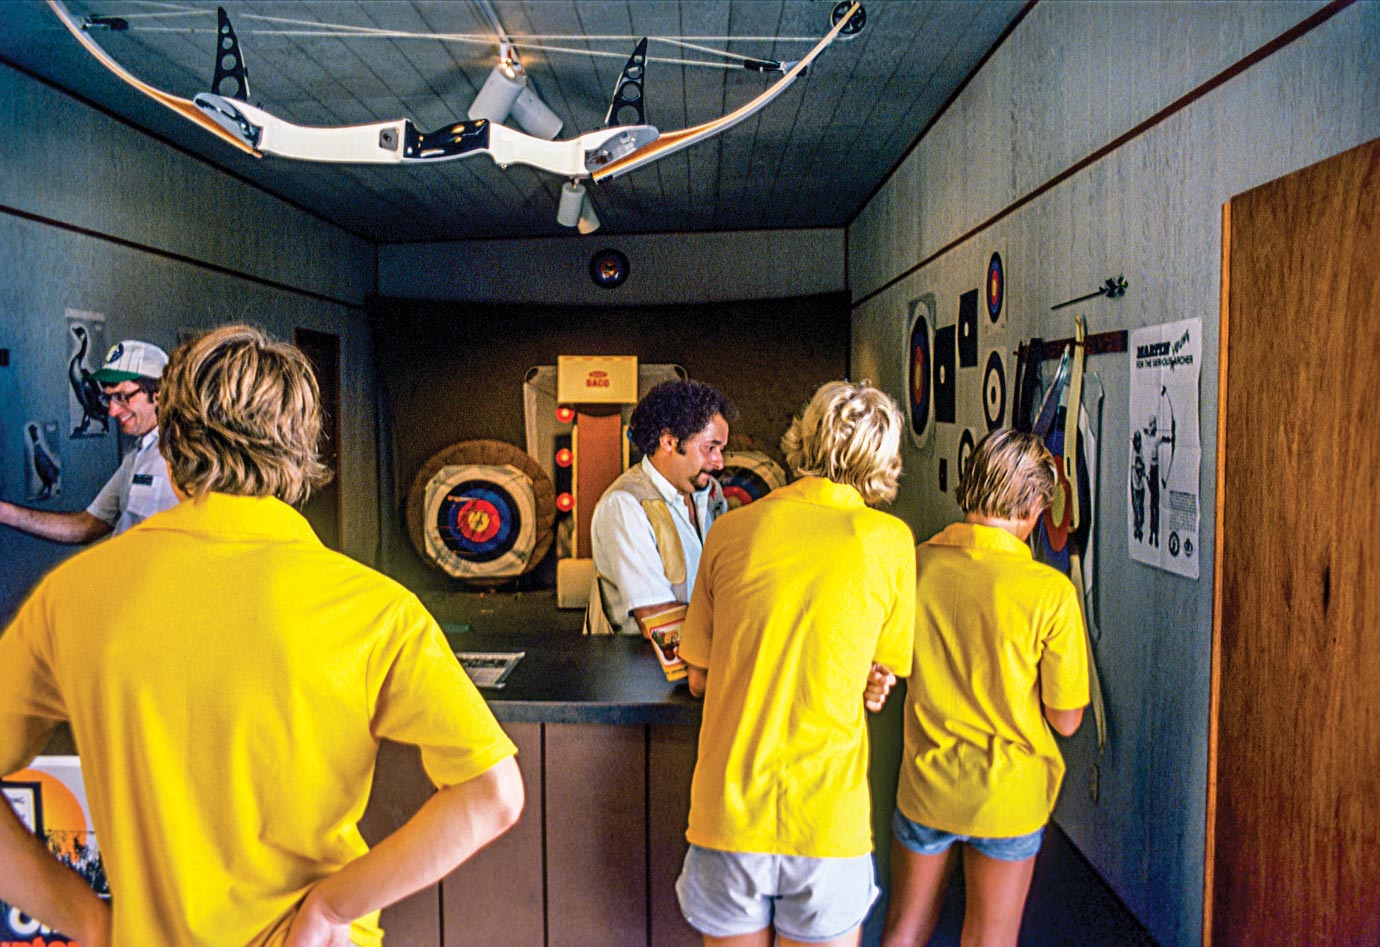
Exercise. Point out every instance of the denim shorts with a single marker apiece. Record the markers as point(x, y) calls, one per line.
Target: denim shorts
point(924, 840)
point(726, 894)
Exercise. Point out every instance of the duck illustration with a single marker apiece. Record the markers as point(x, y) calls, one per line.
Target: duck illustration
point(86, 389)
point(47, 469)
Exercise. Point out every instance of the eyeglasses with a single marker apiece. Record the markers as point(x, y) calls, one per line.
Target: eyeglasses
point(122, 398)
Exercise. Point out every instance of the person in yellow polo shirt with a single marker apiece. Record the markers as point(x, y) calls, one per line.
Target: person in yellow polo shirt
point(227, 679)
point(1000, 661)
point(798, 595)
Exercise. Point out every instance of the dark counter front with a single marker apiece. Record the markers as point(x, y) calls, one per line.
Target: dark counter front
point(607, 749)
point(568, 678)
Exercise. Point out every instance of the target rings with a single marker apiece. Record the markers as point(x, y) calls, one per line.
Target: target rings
point(481, 511)
point(749, 475)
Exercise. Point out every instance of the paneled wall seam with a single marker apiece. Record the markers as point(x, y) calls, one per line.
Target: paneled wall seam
point(1254, 58)
point(179, 257)
point(168, 143)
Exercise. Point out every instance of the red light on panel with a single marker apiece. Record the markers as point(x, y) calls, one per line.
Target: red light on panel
point(565, 414)
point(565, 502)
point(564, 457)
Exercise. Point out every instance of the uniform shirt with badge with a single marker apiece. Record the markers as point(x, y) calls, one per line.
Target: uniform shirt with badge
point(139, 488)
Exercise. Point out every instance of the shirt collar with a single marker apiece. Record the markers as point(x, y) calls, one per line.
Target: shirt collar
point(227, 515)
point(975, 536)
point(669, 493)
point(820, 490)
point(149, 439)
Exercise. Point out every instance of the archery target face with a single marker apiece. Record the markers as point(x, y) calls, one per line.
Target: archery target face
point(480, 521)
point(966, 443)
point(919, 367)
point(996, 287)
point(994, 391)
point(968, 329)
point(749, 475)
point(945, 374)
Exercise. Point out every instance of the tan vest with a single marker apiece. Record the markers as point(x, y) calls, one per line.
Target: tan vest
point(634, 480)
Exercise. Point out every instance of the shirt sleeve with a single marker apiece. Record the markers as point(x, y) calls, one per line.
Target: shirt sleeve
point(697, 634)
point(896, 644)
point(426, 699)
point(31, 704)
point(625, 553)
point(1064, 659)
point(109, 503)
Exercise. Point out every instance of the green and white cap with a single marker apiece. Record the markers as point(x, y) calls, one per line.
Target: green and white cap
point(131, 360)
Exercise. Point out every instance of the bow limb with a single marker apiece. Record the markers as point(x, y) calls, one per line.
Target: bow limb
point(184, 107)
point(671, 142)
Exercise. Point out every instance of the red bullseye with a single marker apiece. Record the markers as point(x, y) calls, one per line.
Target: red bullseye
point(564, 457)
point(565, 414)
point(565, 502)
point(736, 496)
point(479, 521)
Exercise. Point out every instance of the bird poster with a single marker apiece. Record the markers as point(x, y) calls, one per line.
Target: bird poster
point(1165, 453)
point(85, 351)
point(42, 464)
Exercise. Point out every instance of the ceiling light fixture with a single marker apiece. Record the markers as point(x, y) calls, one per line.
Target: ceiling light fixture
point(507, 93)
point(575, 209)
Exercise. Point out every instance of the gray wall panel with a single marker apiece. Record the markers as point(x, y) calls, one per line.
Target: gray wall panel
point(1070, 79)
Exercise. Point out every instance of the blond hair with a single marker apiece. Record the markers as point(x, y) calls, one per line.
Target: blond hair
point(850, 434)
point(1010, 475)
point(239, 413)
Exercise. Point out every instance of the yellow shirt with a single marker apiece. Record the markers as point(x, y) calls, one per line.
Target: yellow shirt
point(227, 679)
point(996, 635)
point(797, 595)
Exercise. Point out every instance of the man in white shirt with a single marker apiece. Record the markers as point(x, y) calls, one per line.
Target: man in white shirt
point(129, 381)
point(648, 529)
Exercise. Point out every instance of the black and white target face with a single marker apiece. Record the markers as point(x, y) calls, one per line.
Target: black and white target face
point(994, 391)
point(966, 444)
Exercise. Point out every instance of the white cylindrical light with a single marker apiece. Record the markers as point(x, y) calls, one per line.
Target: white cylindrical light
point(500, 91)
point(535, 117)
point(589, 220)
point(568, 212)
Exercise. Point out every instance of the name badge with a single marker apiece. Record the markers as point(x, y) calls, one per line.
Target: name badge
point(143, 480)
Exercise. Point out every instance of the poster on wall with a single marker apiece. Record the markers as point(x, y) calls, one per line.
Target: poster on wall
point(86, 349)
point(42, 463)
point(50, 800)
point(1165, 451)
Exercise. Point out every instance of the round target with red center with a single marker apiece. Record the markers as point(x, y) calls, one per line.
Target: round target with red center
point(481, 511)
point(996, 287)
point(479, 520)
point(919, 372)
point(749, 475)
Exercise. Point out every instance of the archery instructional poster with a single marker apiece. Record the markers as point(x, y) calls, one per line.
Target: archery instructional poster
point(1165, 452)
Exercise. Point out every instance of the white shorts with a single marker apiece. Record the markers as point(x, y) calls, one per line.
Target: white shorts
point(725, 894)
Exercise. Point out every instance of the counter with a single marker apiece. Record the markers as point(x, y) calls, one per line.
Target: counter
point(607, 749)
point(565, 678)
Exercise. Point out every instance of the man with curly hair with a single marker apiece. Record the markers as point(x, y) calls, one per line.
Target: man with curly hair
point(648, 528)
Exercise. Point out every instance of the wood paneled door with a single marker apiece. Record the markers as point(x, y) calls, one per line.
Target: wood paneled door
point(1293, 838)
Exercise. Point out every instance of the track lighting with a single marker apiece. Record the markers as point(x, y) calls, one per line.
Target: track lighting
point(575, 209)
point(506, 93)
